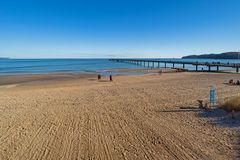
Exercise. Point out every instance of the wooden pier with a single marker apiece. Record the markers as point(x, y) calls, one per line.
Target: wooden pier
point(156, 63)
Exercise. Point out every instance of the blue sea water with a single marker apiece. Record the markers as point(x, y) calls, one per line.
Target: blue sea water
point(40, 66)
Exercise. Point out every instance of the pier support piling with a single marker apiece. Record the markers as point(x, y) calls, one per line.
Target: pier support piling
point(196, 67)
point(209, 68)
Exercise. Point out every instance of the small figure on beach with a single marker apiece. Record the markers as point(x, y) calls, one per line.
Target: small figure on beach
point(110, 78)
point(231, 82)
point(99, 76)
point(238, 82)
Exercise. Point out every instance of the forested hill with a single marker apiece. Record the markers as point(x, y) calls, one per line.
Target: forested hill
point(227, 55)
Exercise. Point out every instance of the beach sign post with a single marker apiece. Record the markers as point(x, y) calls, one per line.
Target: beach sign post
point(212, 96)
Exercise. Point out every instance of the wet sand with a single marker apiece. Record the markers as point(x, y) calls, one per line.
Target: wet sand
point(26, 79)
point(154, 70)
point(133, 117)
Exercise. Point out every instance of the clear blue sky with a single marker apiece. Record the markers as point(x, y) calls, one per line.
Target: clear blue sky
point(117, 28)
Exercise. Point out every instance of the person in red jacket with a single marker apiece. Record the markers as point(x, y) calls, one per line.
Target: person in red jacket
point(99, 77)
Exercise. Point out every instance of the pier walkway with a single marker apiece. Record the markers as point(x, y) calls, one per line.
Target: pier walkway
point(156, 63)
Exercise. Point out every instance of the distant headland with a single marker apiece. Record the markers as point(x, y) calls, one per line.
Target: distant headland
point(226, 55)
point(3, 58)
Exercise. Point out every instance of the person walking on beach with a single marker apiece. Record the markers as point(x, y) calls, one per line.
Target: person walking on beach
point(99, 77)
point(110, 78)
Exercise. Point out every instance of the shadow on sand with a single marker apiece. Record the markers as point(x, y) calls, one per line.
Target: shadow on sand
point(221, 118)
point(238, 146)
point(216, 117)
point(179, 110)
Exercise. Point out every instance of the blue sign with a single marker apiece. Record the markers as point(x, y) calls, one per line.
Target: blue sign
point(212, 95)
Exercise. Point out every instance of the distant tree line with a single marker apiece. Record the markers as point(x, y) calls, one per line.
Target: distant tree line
point(226, 55)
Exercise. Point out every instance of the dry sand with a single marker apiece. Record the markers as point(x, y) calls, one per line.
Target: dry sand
point(133, 117)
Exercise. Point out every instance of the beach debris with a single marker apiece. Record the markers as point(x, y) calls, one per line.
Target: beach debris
point(200, 103)
point(110, 78)
point(231, 82)
point(99, 76)
point(180, 69)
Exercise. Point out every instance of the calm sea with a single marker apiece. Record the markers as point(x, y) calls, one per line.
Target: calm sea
point(38, 66)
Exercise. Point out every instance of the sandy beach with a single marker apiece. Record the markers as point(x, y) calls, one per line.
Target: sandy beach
point(133, 117)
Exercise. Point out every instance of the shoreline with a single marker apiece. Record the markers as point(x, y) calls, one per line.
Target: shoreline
point(25, 78)
point(64, 76)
